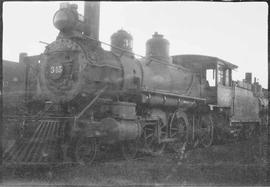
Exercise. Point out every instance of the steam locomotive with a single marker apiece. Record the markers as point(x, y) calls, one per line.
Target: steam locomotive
point(81, 98)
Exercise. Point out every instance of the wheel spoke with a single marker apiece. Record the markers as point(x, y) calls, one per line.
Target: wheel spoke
point(130, 149)
point(174, 129)
point(149, 136)
point(157, 131)
point(205, 131)
point(178, 130)
point(151, 141)
point(149, 129)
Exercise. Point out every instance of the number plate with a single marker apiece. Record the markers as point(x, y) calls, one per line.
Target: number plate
point(55, 71)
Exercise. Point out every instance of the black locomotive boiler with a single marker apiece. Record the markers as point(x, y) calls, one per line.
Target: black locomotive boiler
point(82, 98)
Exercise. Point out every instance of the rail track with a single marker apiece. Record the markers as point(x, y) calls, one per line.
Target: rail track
point(237, 163)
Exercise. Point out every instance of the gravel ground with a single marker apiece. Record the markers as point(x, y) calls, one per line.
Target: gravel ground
point(242, 163)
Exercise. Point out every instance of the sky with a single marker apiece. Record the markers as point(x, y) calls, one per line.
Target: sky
point(234, 32)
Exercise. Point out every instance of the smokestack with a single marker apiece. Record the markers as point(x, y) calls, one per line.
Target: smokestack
point(21, 57)
point(248, 78)
point(91, 16)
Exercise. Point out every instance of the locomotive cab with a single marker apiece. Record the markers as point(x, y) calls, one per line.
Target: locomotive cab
point(239, 98)
point(215, 76)
point(218, 77)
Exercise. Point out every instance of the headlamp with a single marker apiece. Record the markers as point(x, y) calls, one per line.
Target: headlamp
point(64, 19)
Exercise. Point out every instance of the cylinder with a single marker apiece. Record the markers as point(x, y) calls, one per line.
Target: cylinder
point(120, 130)
point(124, 110)
point(91, 17)
point(158, 47)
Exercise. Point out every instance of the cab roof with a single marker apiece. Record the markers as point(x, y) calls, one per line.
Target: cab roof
point(201, 60)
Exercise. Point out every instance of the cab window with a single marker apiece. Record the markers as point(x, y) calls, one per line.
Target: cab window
point(221, 75)
point(224, 75)
point(228, 75)
point(211, 77)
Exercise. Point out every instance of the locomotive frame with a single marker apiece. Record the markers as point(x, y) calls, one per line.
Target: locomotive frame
point(90, 98)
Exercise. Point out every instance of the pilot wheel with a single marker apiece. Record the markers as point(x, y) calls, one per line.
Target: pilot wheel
point(130, 149)
point(85, 151)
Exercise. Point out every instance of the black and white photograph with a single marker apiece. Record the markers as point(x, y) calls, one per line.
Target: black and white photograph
point(134, 93)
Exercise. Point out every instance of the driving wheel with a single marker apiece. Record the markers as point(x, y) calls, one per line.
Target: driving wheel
point(179, 127)
point(154, 132)
point(206, 130)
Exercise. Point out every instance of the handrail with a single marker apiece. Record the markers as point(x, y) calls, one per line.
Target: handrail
point(91, 103)
point(152, 59)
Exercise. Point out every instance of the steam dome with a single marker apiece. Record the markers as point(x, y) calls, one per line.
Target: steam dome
point(121, 39)
point(158, 47)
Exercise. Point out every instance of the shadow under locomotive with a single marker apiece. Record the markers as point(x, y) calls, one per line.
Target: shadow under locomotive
point(81, 99)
